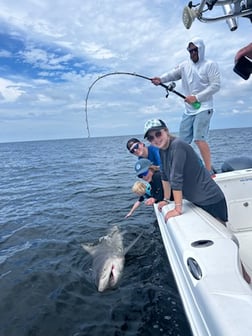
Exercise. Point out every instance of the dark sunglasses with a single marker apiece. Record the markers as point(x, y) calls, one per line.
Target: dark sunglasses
point(134, 148)
point(143, 174)
point(158, 134)
point(192, 50)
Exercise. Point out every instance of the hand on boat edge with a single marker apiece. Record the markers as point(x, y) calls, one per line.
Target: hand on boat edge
point(161, 204)
point(171, 213)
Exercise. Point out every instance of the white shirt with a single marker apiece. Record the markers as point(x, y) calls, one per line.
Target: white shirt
point(201, 79)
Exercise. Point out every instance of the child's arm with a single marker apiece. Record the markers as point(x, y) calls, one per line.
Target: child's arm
point(135, 206)
point(150, 201)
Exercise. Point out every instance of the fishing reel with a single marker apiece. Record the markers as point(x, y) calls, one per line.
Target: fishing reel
point(168, 88)
point(232, 9)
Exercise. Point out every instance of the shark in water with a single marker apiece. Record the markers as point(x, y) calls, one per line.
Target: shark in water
point(108, 258)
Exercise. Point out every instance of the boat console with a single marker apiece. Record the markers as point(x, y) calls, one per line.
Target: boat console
point(236, 163)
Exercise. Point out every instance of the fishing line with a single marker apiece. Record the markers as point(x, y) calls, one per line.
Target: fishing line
point(168, 88)
point(103, 76)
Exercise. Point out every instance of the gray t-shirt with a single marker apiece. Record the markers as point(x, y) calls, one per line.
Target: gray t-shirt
point(182, 168)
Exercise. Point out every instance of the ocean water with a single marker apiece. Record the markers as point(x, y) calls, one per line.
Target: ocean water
point(56, 195)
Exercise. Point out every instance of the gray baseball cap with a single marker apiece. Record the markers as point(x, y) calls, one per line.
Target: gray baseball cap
point(142, 165)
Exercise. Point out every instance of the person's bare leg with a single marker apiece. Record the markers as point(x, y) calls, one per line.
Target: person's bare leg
point(205, 153)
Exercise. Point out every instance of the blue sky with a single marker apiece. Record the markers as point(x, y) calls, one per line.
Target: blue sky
point(52, 51)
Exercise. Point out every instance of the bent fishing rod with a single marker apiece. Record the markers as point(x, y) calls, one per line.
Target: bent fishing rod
point(168, 88)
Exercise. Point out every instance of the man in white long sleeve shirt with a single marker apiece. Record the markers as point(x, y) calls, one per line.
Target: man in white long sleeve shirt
point(200, 81)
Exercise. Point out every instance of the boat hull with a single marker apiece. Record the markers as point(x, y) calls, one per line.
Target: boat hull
point(206, 261)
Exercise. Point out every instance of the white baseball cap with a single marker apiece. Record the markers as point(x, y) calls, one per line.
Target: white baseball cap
point(153, 125)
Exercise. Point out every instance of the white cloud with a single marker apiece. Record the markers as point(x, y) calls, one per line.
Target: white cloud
point(44, 60)
point(5, 53)
point(10, 91)
point(71, 45)
point(96, 51)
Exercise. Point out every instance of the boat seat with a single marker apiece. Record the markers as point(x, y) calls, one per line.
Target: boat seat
point(245, 242)
point(240, 224)
point(240, 215)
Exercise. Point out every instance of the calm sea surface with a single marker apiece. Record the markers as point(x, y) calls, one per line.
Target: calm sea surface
point(56, 195)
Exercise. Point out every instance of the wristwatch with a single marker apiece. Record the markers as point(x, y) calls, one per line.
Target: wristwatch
point(166, 200)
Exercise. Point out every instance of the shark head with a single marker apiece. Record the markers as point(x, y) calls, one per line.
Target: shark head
point(108, 259)
point(108, 264)
point(110, 274)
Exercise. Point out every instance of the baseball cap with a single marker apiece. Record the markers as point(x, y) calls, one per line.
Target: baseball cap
point(131, 142)
point(153, 125)
point(142, 165)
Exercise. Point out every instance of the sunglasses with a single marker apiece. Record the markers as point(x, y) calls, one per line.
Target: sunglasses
point(134, 148)
point(192, 50)
point(158, 134)
point(143, 174)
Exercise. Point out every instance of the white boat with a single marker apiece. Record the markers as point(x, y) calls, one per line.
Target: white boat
point(206, 260)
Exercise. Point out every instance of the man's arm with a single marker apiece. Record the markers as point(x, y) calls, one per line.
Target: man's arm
point(245, 51)
point(214, 83)
point(170, 76)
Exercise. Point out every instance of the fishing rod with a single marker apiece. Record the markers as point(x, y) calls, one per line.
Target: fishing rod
point(168, 88)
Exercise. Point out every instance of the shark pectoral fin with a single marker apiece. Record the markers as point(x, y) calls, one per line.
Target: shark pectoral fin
point(126, 250)
point(89, 248)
